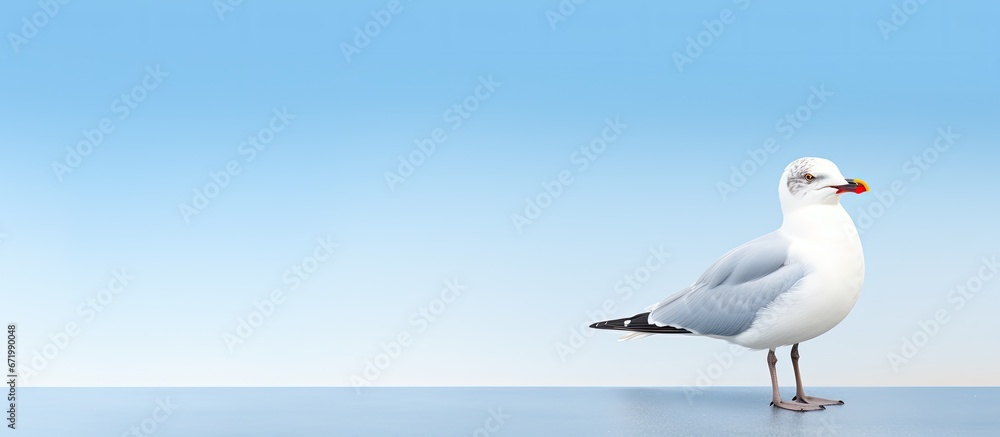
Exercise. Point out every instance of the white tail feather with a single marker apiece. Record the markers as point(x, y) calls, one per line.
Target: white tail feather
point(633, 336)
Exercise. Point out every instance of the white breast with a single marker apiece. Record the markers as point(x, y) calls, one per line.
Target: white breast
point(826, 242)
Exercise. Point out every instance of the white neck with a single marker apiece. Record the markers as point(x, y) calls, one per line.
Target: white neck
point(819, 222)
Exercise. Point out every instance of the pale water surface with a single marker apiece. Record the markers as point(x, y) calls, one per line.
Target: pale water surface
point(498, 412)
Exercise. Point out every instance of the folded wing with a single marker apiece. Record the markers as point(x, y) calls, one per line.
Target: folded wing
point(726, 299)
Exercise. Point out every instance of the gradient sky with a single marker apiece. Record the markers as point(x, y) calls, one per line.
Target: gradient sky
point(525, 293)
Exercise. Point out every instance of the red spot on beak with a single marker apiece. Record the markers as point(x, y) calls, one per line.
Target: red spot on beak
point(856, 186)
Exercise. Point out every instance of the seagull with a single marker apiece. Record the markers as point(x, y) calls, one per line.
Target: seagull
point(782, 289)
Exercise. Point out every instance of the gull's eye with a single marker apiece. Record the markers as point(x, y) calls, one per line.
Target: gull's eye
point(809, 177)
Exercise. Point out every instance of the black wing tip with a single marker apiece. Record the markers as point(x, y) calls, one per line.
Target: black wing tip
point(612, 324)
point(637, 323)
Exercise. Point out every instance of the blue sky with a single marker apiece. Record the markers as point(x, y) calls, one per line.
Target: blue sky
point(537, 98)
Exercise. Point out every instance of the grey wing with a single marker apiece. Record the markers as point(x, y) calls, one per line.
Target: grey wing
point(726, 299)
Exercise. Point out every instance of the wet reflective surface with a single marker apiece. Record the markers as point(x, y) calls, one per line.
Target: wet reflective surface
point(498, 412)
